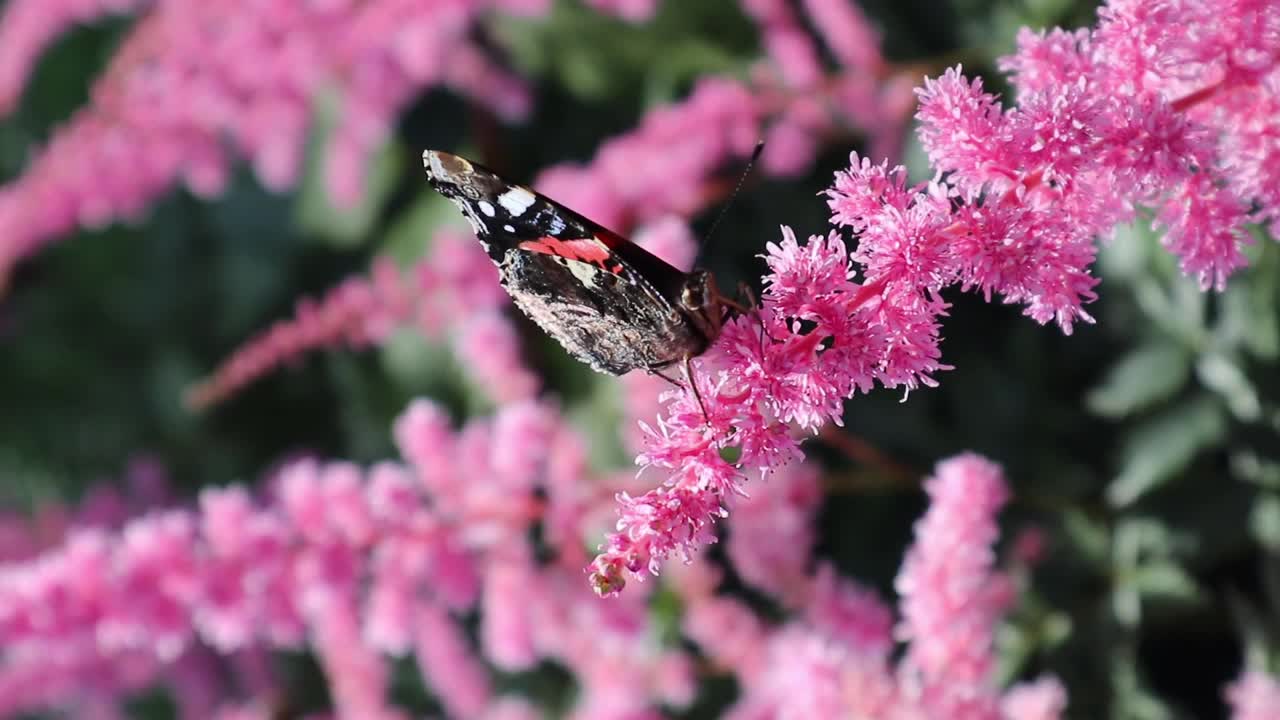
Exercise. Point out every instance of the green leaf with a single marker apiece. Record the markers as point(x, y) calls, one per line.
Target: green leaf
point(1125, 255)
point(1264, 522)
point(1144, 377)
point(1224, 376)
point(1164, 579)
point(1252, 467)
point(1164, 445)
point(1090, 538)
point(1250, 304)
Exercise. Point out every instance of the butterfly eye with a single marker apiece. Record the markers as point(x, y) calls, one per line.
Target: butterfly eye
point(698, 292)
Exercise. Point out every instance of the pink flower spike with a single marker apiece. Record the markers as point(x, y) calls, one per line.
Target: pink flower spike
point(951, 595)
point(1203, 224)
point(962, 128)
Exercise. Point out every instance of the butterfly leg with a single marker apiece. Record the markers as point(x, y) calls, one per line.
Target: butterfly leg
point(687, 384)
point(657, 370)
point(688, 376)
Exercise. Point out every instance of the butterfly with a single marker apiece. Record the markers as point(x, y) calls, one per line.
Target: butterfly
point(612, 304)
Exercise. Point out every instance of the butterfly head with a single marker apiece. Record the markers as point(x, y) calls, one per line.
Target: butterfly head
point(453, 176)
point(701, 300)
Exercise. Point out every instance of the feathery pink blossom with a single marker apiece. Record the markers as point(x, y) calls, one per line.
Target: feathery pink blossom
point(833, 657)
point(1174, 108)
point(452, 290)
point(353, 564)
point(27, 27)
point(765, 374)
point(1021, 197)
point(951, 595)
point(195, 85)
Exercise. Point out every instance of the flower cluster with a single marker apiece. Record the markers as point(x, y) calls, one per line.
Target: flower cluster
point(1022, 195)
point(195, 85)
point(669, 163)
point(453, 291)
point(354, 564)
point(834, 657)
point(357, 565)
point(818, 338)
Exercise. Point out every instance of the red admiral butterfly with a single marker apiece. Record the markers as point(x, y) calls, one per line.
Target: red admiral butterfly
point(609, 302)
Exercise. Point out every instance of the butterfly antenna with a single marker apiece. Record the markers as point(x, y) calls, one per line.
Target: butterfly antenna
point(742, 179)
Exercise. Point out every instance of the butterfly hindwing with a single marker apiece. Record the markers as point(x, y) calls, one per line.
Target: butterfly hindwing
point(609, 302)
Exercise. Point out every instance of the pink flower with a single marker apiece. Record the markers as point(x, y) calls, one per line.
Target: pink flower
point(632, 10)
point(833, 658)
point(1254, 696)
point(453, 290)
point(771, 533)
point(449, 665)
point(775, 370)
point(672, 162)
point(195, 85)
point(847, 32)
point(951, 597)
point(27, 28)
point(1043, 699)
point(351, 563)
point(1021, 196)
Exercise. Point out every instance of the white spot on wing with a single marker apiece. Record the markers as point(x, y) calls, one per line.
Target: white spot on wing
point(585, 273)
point(508, 228)
point(486, 208)
point(516, 200)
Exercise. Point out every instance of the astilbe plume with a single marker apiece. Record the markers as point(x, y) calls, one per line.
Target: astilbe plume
point(1021, 197)
point(195, 85)
point(669, 163)
point(355, 564)
point(833, 656)
point(646, 179)
point(451, 292)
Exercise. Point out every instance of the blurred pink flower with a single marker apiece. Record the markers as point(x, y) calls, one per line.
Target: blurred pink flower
point(951, 597)
point(452, 290)
point(671, 163)
point(833, 657)
point(353, 564)
point(27, 28)
point(195, 85)
point(771, 534)
point(1042, 699)
point(1254, 696)
point(633, 10)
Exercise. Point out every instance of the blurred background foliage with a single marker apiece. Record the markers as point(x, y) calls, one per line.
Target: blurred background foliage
point(1147, 446)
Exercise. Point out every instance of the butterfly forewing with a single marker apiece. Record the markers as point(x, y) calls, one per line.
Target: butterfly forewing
point(609, 302)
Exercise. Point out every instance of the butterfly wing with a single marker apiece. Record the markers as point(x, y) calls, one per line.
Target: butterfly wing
point(609, 302)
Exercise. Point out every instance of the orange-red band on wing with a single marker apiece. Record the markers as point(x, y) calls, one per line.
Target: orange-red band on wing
point(589, 250)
